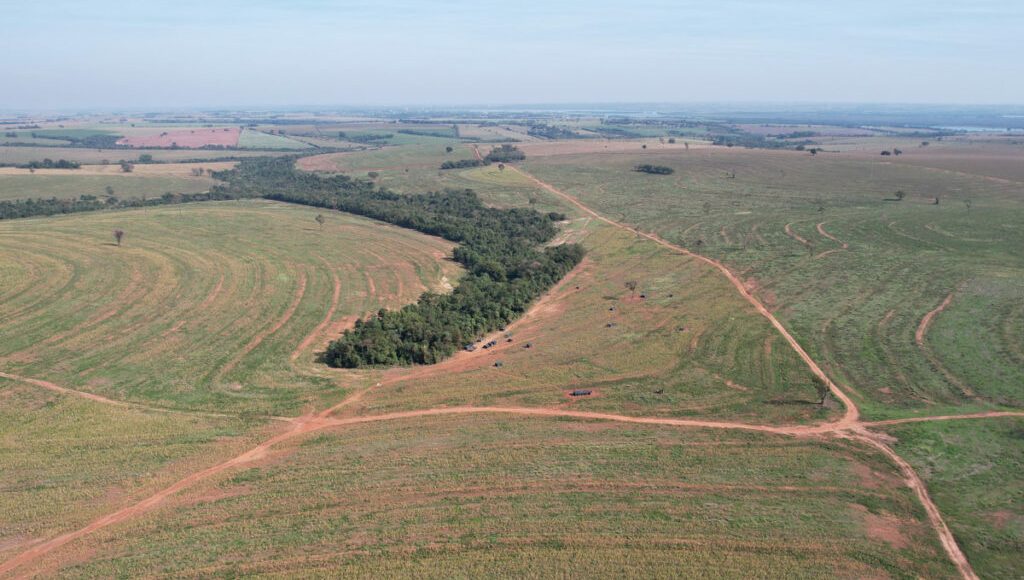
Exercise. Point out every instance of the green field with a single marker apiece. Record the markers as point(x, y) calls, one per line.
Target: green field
point(250, 139)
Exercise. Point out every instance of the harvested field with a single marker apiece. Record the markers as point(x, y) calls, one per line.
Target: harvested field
point(186, 139)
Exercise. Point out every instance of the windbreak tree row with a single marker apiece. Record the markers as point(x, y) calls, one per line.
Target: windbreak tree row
point(501, 249)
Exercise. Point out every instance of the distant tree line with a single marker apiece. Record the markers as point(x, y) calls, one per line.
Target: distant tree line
point(423, 133)
point(51, 164)
point(501, 249)
point(23, 208)
point(551, 132)
point(366, 138)
point(655, 169)
point(464, 163)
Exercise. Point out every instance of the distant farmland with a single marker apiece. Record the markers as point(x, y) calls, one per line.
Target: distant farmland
point(188, 138)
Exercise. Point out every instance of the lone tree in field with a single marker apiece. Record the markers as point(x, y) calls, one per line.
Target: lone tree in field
point(631, 285)
point(501, 167)
point(110, 190)
point(448, 149)
point(127, 167)
point(900, 194)
point(118, 235)
point(822, 388)
point(320, 220)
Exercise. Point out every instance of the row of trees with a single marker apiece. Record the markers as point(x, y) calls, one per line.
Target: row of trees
point(463, 163)
point(23, 208)
point(501, 249)
point(51, 164)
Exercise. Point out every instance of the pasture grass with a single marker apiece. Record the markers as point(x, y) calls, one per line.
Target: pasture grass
point(972, 470)
point(855, 309)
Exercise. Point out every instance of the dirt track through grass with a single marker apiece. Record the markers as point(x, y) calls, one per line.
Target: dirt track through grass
point(848, 426)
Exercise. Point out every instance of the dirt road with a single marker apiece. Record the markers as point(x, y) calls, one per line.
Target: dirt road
point(852, 413)
point(848, 426)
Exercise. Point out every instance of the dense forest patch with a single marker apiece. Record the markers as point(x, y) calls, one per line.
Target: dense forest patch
point(500, 248)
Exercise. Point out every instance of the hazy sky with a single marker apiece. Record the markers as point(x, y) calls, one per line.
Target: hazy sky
point(192, 53)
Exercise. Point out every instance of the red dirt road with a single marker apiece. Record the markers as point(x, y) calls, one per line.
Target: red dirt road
point(914, 482)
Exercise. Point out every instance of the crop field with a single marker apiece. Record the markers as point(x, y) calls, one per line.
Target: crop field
point(68, 460)
point(464, 496)
point(251, 139)
point(852, 271)
point(202, 303)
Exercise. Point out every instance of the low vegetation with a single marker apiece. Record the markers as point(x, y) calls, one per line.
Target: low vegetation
point(505, 154)
point(654, 169)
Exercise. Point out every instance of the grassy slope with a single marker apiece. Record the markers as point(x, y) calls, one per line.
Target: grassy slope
point(854, 309)
point(176, 316)
point(464, 496)
point(973, 469)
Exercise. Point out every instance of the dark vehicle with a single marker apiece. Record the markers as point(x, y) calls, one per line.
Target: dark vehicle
point(580, 393)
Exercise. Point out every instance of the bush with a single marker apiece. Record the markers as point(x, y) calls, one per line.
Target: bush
point(654, 169)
